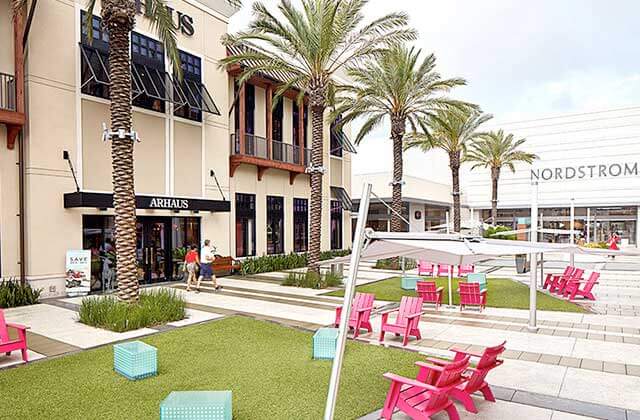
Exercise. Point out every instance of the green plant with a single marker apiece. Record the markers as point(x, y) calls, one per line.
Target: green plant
point(312, 280)
point(269, 263)
point(155, 307)
point(490, 231)
point(13, 293)
point(602, 245)
point(395, 264)
point(334, 253)
point(179, 253)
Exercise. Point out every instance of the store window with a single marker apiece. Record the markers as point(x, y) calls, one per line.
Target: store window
point(192, 77)
point(276, 124)
point(295, 126)
point(300, 224)
point(336, 224)
point(94, 63)
point(147, 57)
point(98, 236)
point(335, 144)
point(245, 225)
point(275, 225)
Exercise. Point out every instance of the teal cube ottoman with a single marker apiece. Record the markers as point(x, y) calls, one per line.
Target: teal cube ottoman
point(409, 282)
point(200, 405)
point(135, 360)
point(324, 343)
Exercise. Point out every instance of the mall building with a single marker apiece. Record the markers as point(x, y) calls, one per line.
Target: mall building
point(214, 161)
point(591, 159)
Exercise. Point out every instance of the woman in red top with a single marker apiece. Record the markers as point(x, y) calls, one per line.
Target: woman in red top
point(191, 261)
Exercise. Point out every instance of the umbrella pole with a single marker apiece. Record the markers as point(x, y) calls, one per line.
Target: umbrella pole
point(450, 292)
point(533, 268)
point(349, 291)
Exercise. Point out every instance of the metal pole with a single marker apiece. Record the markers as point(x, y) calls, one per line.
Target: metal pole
point(450, 293)
point(541, 269)
point(402, 265)
point(588, 224)
point(447, 218)
point(572, 214)
point(349, 291)
point(533, 289)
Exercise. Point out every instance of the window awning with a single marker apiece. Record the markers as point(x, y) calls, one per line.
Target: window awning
point(155, 83)
point(345, 142)
point(104, 200)
point(196, 96)
point(97, 62)
point(341, 194)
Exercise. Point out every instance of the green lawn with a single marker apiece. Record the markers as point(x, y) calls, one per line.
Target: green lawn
point(267, 366)
point(503, 293)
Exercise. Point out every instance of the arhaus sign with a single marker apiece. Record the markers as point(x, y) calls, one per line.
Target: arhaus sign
point(611, 170)
point(169, 203)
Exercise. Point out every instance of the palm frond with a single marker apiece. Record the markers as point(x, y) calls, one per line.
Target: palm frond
point(162, 24)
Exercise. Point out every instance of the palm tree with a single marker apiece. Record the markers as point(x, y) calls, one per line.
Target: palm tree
point(495, 150)
point(452, 131)
point(400, 87)
point(308, 47)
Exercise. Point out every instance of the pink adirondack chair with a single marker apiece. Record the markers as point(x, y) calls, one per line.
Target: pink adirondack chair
point(429, 293)
point(560, 282)
point(548, 281)
point(443, 270)
point(475, 376)
point(360, 313)
point(8, 345)
point(465, 269)
point(573, 287)
point(422, 400)
point(470, 294)
point(425, 268)
point(406, 322)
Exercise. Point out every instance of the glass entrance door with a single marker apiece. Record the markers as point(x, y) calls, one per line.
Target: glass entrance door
point(154, 249)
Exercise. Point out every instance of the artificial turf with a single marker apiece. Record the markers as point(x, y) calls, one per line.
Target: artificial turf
point(267, 366)
point(502, 293)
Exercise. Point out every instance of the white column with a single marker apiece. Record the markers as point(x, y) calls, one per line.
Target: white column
point(447, 217)
point(638, 227)
point(589, 225)
point(572, 214)
point(533, 289)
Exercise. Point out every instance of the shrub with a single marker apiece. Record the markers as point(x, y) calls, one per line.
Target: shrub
point(488, 233)
point(312, 280)
point(13, 293)
point(156, 307)
point(395, 264)
point(268, 263)
point(602, 245)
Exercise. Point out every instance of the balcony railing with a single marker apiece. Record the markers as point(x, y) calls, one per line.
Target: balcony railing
point(7, 92)
point(256, 146)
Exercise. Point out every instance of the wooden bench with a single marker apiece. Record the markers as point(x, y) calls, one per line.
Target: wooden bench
point(224, 266)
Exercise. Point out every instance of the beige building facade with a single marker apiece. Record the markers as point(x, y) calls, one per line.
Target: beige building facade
point(196, 175)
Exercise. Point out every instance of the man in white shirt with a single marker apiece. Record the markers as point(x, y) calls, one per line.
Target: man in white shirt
point(207, 255)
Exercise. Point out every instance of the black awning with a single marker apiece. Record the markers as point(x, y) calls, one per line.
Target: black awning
point(345, 142)
point(97, 64)
point(196, 96)
point(105, 200)
point(342, 195)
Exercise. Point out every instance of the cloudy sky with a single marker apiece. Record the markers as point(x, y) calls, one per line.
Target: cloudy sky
point(522, 59)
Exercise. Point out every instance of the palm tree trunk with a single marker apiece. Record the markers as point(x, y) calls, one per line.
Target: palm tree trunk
point(118, 17)
point(317, 105)
point(454, 164)
point(397, 135)
point(495, 175)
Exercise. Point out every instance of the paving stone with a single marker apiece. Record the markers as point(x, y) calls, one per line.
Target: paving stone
point(502, 393)
point(561, 333)
point(569, 406)
point(427, 342)
point(614, 368)
point(610, 328)
point(613, 338)
point(570, 361)
point(550, 359)
point(476, 349)
point(595, 336)
point(633, 370)
point(594, 327)
point(631, 340)
point(578, 334)
point(591, 364)
point(565, 324)
point(529, 357)
point(511, 354)
point(443, 345)
point(628, 330)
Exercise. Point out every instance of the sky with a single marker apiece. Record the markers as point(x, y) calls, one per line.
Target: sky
point(521, 59)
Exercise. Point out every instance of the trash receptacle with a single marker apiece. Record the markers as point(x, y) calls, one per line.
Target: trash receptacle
point(338, 269)
point(521, 263)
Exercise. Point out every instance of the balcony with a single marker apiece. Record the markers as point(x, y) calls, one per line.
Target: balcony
point(266, 154)
point(9, 104)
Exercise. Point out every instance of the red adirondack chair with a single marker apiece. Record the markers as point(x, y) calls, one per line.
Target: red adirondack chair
point(573, 287)
point(429, 293)
point(465, 269)
point(8, 345)
point(422, 400)
point(360, 313)
point(425, 268)
point(560, 282)
point(475, 376)
point(443, 270)
point(470, 294)
point(548, 281)
point(406, 322)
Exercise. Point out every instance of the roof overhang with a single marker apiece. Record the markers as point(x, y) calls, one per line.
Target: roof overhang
point(81, 199)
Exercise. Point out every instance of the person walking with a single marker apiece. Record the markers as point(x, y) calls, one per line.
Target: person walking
point(191, 261)
point(207, 255)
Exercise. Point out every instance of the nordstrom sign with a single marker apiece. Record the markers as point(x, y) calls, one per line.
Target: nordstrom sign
point(611, 170)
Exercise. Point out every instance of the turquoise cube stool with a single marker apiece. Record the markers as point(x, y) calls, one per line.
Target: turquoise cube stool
point(135, 360)
point(200, 405)
point(409, 282)
point(480, 278)
point(324, 343)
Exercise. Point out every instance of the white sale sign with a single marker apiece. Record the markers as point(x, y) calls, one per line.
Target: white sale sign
point(78, 272)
